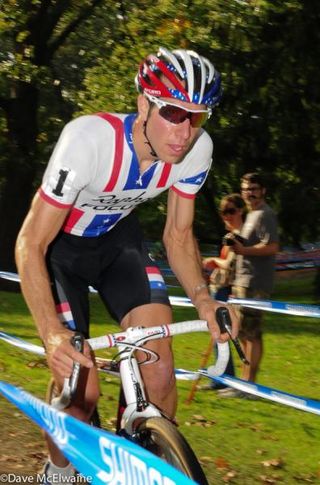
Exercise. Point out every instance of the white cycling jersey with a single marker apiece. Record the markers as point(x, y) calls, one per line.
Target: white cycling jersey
point(94, 170)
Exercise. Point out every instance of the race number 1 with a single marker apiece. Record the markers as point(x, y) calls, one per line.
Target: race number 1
point(62, 178)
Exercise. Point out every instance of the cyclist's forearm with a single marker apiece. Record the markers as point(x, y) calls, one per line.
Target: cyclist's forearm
point(35, 285)
point(185, 261)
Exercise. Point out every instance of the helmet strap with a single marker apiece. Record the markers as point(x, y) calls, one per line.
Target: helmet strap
point(152, 151)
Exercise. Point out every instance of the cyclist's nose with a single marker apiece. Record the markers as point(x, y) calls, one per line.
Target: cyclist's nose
point(184, 129)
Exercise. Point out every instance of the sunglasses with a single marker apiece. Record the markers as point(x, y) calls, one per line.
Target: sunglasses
point(176, 114)
point(250, 189)
point(228, 212)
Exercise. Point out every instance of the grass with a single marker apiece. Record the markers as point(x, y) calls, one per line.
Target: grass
point(238, 441)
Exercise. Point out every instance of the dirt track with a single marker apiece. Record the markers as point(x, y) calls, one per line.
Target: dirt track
point(21, 443)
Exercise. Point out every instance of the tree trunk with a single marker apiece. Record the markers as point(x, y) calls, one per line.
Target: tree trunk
point(19, 171)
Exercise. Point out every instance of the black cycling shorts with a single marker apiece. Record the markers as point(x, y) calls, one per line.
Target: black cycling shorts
point(117, 264)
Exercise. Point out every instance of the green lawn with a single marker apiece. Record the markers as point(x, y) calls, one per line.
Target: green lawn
point(238, 441)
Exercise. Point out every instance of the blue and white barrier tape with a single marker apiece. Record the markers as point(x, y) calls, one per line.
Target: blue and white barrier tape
point(291, 400)
point(6, 275)
point(278, 307)
point(175, 300)
point(267, 305)
point(298, 402)
point(100, 456)
point(297, 309)
point(22, 344)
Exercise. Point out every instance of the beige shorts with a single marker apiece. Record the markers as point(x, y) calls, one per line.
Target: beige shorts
point(250, 319)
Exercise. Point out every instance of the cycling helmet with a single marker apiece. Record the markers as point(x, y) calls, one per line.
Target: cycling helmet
point(202, 81)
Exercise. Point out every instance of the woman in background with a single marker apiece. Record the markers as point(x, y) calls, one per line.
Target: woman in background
point(232, 212)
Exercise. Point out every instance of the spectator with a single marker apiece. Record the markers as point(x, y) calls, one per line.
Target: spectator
point(232, 211)
point(255, 266)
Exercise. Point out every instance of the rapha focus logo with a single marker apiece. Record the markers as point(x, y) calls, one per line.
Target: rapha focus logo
point(114, 203)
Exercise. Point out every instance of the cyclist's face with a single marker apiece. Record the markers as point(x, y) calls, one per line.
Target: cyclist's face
point(169, 140)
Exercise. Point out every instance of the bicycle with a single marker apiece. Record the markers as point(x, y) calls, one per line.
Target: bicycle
point(139, 420)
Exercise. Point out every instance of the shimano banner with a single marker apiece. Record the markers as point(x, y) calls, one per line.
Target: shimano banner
point(102, 457)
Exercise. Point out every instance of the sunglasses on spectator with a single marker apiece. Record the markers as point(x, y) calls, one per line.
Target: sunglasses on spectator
point(229, 211)
point(177, 114)
point(250, 189)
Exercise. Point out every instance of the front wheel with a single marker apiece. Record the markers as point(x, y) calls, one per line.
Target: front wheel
point(163, 439)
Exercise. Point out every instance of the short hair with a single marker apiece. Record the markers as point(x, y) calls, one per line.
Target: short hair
point(254, 178)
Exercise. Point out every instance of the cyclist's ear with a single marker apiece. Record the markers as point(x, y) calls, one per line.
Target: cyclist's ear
point(143, 106)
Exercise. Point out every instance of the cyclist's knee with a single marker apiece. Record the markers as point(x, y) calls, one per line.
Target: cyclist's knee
point(87, 396)
point(160, 378)
point(83, 406)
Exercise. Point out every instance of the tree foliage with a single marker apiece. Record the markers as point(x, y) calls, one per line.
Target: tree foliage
point(62, 58)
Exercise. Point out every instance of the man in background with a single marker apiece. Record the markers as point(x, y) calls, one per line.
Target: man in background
point(255, 268)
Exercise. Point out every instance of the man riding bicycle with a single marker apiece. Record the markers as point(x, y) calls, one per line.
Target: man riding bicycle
point(81, 229)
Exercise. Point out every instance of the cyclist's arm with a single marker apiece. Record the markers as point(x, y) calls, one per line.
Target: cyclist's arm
point(40, 227)
point(183, 256)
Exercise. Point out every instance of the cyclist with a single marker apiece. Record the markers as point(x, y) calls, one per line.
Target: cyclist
point(81, 230)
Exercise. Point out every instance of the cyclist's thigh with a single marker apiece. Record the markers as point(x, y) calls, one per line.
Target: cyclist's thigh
point(70, 290)
point(71, 298)
point(133, 279)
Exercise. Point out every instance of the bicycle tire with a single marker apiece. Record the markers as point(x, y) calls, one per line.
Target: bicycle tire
point(52, 392)
point(163, 439)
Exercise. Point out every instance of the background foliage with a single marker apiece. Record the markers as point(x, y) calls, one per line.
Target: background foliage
point(59, 59)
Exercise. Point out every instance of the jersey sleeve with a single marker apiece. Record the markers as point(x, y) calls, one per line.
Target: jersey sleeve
point(198, 164)
point(70, 167)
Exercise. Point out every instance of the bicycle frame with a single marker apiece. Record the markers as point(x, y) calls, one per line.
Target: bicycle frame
point(130, 341)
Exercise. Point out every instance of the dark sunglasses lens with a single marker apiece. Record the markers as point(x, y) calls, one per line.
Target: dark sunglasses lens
point(230, 212)
point(176, 115)
point(173, 114)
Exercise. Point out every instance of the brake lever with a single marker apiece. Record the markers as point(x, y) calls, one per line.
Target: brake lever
point(224, 321)
point(77, 340)
point(70, 384)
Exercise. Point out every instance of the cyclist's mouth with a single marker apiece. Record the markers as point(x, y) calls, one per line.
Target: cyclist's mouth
point(177, 149)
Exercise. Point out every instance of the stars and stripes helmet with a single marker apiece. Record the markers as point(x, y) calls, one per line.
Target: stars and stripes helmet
point(180, 74)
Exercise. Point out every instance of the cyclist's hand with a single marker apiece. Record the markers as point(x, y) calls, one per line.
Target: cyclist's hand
point(61, 353)
point(207, 310)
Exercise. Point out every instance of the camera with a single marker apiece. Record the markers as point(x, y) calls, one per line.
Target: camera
point(230, 238)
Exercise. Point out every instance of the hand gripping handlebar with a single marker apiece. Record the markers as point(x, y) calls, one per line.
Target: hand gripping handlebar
point(224, 322)
point(70, 383)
